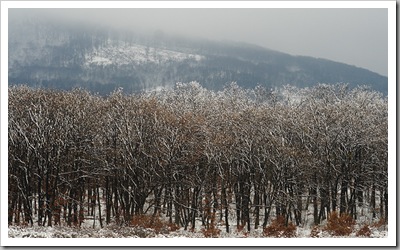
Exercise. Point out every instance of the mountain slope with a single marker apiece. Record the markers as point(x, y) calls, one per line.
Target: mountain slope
point(63, 56)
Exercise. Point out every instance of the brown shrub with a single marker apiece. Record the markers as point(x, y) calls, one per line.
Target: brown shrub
point(278, 229)
point(240, 228)
point(211, 232)
point(379, 224)
point(364, 231)
point(340, 225)
point(172, 227)
point(153, 222)
point(315, 231)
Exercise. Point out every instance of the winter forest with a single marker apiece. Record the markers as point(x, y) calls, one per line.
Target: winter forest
point(203, 162)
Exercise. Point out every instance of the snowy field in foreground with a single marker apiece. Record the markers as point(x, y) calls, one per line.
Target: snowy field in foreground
point(112, 231)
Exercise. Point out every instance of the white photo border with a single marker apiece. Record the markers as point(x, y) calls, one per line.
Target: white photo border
point(389, 241)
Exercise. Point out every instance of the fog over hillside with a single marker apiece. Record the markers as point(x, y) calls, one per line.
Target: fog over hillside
point(355, 36)
point(63, 55)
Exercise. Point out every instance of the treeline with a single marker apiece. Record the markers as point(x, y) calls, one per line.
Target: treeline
point(189, 153)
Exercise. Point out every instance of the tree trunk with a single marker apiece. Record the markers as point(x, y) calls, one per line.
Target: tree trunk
point(98, 202)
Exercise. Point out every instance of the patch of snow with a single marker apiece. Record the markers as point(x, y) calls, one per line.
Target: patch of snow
point(101, 60)
point(127, 54)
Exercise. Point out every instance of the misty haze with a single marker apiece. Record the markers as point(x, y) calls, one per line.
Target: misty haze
point(142, 49)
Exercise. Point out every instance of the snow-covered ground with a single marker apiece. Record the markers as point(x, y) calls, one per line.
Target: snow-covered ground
point(113, 231)
point(91, 228)
point(91, 234)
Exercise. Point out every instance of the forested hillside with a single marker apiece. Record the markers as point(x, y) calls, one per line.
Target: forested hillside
point(67, 55)
point(236, 158)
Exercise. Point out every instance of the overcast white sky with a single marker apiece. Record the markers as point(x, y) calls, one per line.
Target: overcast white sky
point(354, 36)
